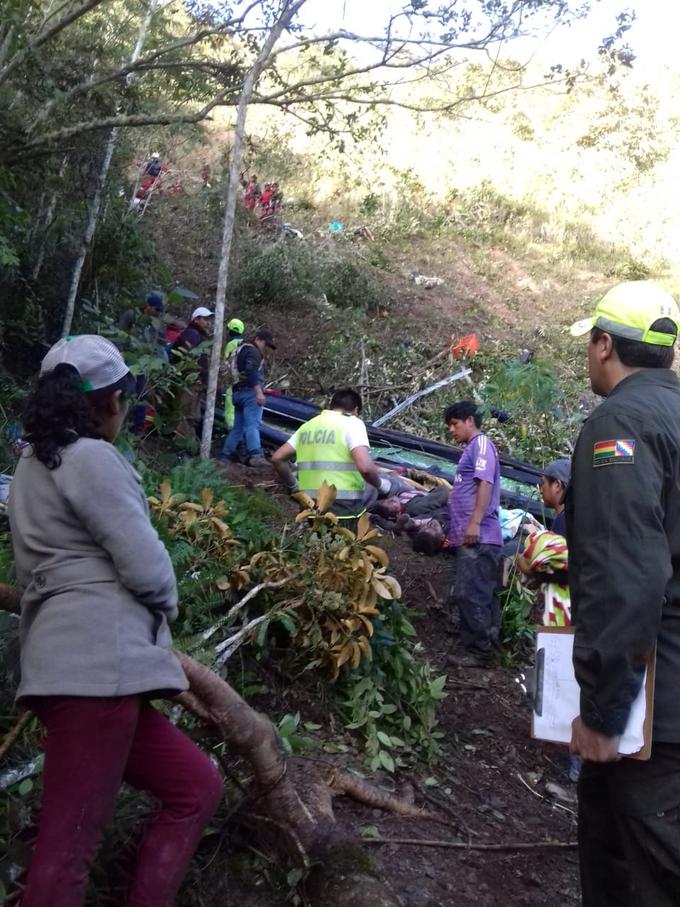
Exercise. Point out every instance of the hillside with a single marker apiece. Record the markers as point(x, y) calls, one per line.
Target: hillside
point(350, 724)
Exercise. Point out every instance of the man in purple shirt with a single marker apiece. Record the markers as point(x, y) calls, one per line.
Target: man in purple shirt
point(475, 535)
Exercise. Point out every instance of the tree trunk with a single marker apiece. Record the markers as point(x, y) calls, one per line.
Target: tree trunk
point(96, 200)
point(288, 11)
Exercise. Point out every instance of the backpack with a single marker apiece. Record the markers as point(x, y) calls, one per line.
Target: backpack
point(231, 369)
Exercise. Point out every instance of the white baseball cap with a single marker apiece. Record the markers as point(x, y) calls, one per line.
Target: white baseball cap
point(201, 312)
point(97, 361)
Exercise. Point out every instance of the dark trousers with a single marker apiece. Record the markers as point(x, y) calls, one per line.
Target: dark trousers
point(629, 831)
point(91, 747)
point(475, 595)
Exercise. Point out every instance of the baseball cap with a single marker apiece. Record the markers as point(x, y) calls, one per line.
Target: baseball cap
point(97, 361)
point(201, 312)
point(236, 325)
point(267, 337)
point(629, 310)
point(559, 469)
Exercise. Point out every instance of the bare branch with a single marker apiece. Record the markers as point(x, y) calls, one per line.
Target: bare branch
point(122, 71)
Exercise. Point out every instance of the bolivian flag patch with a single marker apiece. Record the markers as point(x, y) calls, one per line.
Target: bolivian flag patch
point(619, 451)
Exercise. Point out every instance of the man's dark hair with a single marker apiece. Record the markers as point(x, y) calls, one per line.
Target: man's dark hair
point(346, 399)
point(636, 354)
point(463, 410)
point(427, 541)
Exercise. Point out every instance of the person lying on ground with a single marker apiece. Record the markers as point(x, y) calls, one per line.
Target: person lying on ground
point(98, 593)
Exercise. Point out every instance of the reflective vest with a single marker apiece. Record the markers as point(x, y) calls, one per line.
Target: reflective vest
point(323, 455)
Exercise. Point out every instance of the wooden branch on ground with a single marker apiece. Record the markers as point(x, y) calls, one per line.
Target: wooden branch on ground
point(460, 845)
point(15, 733)
point(240, 604)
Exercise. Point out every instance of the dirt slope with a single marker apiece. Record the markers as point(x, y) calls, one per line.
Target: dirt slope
point(489, 787)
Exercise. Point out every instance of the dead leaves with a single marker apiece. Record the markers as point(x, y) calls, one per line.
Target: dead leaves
point(203, 523)
point(333, 589)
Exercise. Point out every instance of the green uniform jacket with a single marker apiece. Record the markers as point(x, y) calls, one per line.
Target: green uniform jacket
point(623, 532)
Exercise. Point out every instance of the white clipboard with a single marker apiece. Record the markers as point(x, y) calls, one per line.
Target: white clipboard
point(557, 696)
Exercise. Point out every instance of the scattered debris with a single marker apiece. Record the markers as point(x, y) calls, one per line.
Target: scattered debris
point(420, 280)
point(560, 793)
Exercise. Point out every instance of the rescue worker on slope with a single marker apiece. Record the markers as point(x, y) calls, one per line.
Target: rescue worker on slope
point(333, 447)
point(248, 397)
point(235, 338)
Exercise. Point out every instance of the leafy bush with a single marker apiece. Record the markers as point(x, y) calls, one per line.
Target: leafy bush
point(517, 628)
point(393, 698)
point(293, 273)
point(348, 284)
point(542, 423)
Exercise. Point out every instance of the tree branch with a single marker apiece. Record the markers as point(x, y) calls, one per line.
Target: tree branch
point(43, 36)
point(462, 845)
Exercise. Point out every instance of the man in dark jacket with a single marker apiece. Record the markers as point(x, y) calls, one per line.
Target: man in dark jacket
point(248, 397)
point(194, 334)
point(623, 532)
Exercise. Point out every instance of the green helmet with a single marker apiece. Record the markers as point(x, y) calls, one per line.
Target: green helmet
point(236, 325)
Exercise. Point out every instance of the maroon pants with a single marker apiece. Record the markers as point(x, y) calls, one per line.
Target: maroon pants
point(92, 746)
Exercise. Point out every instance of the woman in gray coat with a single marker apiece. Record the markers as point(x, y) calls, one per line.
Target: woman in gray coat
point(98, 592)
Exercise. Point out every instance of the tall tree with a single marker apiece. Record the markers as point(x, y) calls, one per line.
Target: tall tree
point(100, 183)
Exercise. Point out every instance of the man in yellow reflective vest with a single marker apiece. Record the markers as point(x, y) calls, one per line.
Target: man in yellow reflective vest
point(333, 447)
point(236, 330)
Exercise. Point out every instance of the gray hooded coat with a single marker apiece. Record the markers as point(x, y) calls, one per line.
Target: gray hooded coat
point(98, 587)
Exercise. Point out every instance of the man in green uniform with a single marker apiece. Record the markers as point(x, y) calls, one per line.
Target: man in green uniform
point(623, 532)
point(333, 447)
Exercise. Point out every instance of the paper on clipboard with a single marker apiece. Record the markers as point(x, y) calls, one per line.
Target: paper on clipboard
point(557, 697)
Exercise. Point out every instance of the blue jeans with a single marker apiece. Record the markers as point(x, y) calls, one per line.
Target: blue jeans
point(247, 420)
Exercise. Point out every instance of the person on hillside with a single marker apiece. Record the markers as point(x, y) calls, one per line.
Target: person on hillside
point(475, 535)
point(235, 338)
point(146, 324)
point(544, 558)
point(333, 447)
point(266, 200)
point(153, 166)
point(252, 193)
point(98, 592)
point(623, 531)
point(277, 198)
point(194, 334)
point(248, 397)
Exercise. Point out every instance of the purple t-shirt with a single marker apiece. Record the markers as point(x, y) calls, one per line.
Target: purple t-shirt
point(479, 462)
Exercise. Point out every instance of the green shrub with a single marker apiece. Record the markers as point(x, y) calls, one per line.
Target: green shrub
point(289, 273)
